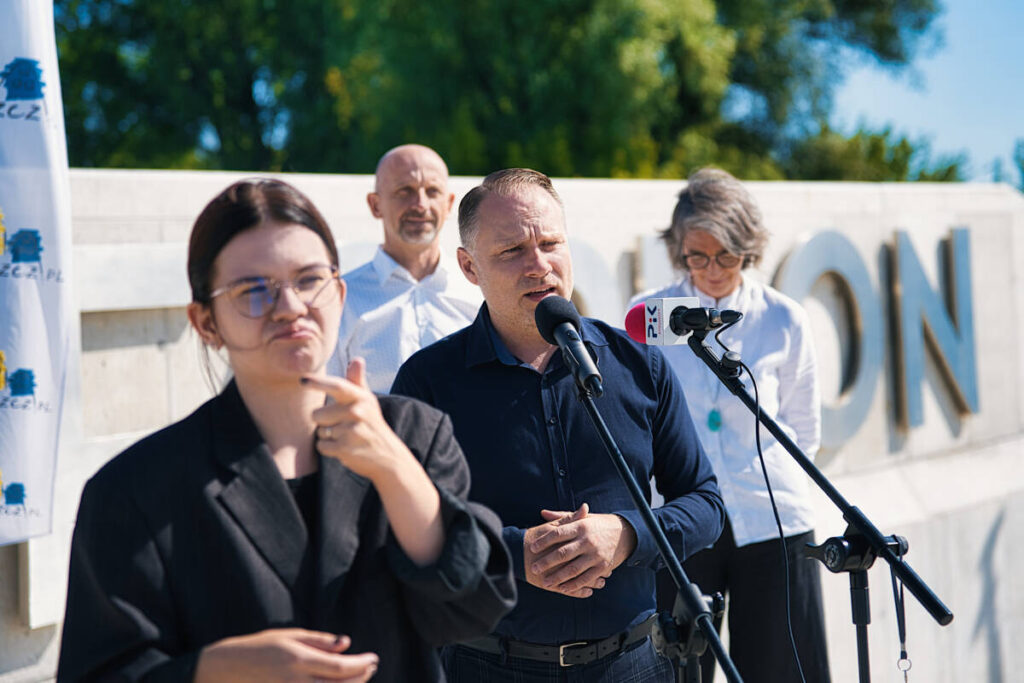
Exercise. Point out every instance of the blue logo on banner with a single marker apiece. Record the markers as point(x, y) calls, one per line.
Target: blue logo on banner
point(14, 493)
point(22, 383)
point(19, 389)
point(26, 256)
point(23, 79)
point(25, 246)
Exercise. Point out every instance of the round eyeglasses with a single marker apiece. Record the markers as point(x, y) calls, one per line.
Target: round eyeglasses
point(697, 260)
point(255, 297)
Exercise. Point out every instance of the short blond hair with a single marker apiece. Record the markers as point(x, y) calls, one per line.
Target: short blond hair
point(503, 183)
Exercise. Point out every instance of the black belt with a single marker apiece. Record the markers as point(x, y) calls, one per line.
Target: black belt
point(566, 654)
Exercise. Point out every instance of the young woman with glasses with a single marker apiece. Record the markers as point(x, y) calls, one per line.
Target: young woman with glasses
point(716, 234)
point(296, 527)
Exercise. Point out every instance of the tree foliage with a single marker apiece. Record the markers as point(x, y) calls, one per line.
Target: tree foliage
point(867, 156)
point(642, 88)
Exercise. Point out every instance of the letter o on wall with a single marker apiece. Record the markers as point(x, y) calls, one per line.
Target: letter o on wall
point(830, 254)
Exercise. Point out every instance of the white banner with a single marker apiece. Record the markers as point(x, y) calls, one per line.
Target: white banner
point(35, 253)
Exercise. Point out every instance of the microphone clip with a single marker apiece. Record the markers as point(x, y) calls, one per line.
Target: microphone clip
point(701, 320)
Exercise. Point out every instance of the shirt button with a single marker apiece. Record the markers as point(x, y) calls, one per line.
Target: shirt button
point(561, 471)
point(552, 420)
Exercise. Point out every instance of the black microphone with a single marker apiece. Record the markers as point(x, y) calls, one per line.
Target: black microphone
point(559, 323)
point(683, 320)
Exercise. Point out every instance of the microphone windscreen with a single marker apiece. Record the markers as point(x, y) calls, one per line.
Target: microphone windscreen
point(551, 312)
point(636, 326)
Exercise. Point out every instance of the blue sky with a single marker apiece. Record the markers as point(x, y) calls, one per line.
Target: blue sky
point(965, 95)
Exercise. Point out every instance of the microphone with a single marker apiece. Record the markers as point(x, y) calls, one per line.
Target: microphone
point(559, 323)
point(665, 321)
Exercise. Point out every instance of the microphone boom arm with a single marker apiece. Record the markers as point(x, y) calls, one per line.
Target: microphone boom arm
point(857, 519)
point(697, 609)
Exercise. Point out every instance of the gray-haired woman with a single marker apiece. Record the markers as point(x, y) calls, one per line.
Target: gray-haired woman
point(716, 234)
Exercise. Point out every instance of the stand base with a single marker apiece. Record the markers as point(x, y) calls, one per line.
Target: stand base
point(682, 641)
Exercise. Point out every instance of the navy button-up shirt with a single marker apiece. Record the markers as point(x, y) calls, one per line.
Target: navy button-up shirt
point(532, 446)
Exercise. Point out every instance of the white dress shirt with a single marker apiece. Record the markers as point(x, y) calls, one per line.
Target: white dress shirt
point(389, 315)
point(774, 341)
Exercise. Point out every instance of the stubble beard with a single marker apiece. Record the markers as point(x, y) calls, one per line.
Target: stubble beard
point(417, 233)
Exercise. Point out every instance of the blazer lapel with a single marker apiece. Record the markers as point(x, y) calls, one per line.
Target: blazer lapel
point(342, 495)
point(257, 496)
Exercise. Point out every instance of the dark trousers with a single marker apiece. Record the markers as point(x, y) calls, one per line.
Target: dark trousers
point(753, 580)
point(638, 663)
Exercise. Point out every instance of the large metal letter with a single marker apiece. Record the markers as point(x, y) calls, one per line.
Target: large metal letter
point(831, 253)
point(919, 308)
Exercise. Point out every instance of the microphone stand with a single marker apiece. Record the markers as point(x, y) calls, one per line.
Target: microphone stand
point(862, 542)
point(694, 605)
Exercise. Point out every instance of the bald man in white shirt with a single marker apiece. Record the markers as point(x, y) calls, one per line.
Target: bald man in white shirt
point(405, 298)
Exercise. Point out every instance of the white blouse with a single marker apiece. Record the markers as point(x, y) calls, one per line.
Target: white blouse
point(774, 341)
point(389, 315)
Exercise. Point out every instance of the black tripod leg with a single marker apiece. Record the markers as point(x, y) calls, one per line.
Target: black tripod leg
point(860, 603)
point(691, 670)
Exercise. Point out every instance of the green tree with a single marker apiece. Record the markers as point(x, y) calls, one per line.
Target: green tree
point(650, 88)
point(576, 87)
point(867, 156)
point(789, 54)
point(182, 84)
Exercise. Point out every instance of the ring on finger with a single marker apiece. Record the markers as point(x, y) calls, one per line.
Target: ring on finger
point(327, 432)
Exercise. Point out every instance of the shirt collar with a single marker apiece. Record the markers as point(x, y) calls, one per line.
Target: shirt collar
point(485, 344)
point(732, 300)
point(386, 267)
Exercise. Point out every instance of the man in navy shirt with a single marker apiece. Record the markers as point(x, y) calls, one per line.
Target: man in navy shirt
point(584, 561)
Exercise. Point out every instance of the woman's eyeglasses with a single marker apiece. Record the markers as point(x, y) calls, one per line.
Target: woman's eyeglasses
point(255, 297)
point(696, 260)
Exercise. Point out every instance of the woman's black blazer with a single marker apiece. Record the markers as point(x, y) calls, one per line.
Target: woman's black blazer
point(191, 535)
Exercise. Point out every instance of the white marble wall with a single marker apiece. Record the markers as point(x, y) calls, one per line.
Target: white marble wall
point(954, 486)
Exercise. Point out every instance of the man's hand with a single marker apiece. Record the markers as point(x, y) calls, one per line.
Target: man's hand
point(530, 558)
point(574, 552)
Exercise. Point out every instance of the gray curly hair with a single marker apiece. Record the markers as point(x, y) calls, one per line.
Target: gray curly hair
point(717, 203)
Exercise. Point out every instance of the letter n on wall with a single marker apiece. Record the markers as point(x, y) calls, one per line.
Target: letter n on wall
point(943, 319)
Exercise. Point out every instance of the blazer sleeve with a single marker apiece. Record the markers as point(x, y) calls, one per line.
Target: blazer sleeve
point(119, 619)
point(466, 592)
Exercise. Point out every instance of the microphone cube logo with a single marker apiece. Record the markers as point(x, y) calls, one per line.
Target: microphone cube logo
point(653, 320)
point(657, 313)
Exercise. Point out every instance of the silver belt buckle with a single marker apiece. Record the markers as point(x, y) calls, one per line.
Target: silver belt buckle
point(561, 651)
